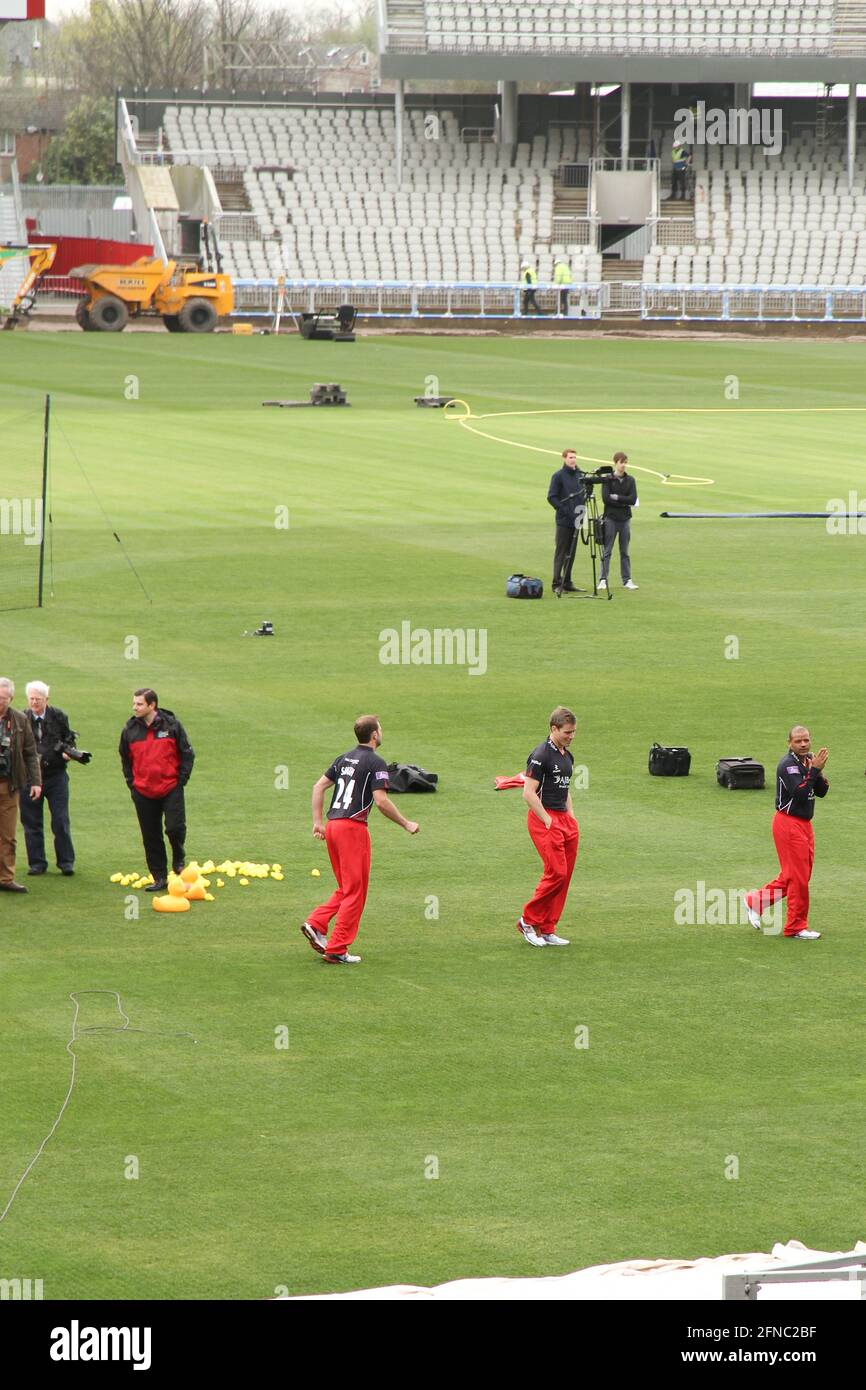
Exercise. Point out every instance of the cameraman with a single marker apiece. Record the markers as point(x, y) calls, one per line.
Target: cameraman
point(567, 495)
point(619, 491)
point(53, 738)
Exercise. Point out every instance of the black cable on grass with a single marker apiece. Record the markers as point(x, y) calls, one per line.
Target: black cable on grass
point(105, 515)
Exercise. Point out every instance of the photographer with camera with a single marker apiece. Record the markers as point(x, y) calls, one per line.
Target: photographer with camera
point(157, 761)
point(19, 766)
point(619, 492)
point(567, 494)
point(55, 745)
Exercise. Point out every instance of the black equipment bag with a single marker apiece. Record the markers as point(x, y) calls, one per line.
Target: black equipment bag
point(739, 773)
point(407, 777)
point(521, 586)
point(669, 762)
point(598, 527)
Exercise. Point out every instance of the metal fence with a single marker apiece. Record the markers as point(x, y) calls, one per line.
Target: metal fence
point(673, 231)
point(405, 299)
point(575, 230)
point(573, 175)
point(77, 210)
point(754, 303)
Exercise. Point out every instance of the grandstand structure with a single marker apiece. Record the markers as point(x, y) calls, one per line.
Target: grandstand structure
point(406, 206)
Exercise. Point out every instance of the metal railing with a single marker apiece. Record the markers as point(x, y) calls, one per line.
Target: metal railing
point(608, 42)
point(754, 303)
point(612, 164)
point(575, 230)
point(241, 226)
point(672, 231)
point(573, 175)
point(416, 299)
point(478, 135)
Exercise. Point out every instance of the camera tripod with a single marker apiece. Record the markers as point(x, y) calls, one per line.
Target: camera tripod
point(589, 528)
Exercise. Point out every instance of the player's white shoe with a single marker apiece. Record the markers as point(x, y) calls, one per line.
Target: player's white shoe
point(344, 959)
point(316, 938)
point(753, 916)
point(529, 933)
point(602, 583)
point(630, 584)
point(805, 935)
point(551, 939)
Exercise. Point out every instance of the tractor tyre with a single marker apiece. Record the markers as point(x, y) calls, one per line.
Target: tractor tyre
point(82, 316)
point(171, 323)
point(109, 314)
point(198, 316)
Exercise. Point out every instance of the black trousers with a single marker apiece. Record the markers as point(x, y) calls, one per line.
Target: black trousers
point(563, 556)
point(150, 811)
point(529, 298)
point(55, 790)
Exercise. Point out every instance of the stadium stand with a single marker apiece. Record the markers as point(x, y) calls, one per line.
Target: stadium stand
point(323, 191)
point(786, 27)
point(785, 221)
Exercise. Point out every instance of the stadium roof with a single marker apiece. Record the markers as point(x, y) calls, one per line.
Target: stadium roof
point(473, 40)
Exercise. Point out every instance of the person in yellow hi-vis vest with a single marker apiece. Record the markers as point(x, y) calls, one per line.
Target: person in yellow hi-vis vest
point(530, 280)
point(562, 277)
point(681, 158)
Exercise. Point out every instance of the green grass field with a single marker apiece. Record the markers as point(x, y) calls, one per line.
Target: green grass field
point(304, 1167)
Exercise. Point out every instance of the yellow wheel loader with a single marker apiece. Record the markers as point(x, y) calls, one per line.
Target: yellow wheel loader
point(188, 300)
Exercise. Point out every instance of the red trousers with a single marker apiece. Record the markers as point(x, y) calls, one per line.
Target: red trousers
point(348, 844)
point(795, 846)
point(558, 849)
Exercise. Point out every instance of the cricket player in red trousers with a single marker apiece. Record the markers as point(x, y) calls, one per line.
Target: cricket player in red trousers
point(799, 779)
point(359, 778)
point(552, 829)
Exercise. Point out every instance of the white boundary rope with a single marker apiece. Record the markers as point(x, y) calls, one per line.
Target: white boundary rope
point(124, 1028)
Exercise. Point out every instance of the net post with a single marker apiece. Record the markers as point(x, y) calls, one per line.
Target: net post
point(44, 496)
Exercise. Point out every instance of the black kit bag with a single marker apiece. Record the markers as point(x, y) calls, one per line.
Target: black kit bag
point(407, 777)
point(521, 586)
point(739, 774)
point(669, 762)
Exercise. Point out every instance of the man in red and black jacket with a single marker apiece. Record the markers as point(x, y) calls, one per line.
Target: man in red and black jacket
point(799, 779)
point(157, 761)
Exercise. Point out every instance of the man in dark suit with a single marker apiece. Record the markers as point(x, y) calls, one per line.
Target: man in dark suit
point(50, 727)
point(567, 495)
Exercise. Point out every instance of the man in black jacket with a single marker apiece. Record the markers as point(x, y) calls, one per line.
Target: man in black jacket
point(567, 495)
point(157, 761)
point(50, 728)
point(619, 492)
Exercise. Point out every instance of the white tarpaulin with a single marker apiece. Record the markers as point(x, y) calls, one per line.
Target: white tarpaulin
point(637, 1279)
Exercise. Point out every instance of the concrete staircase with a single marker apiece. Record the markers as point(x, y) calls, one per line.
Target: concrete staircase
point(233, 196)
point(615, 272)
